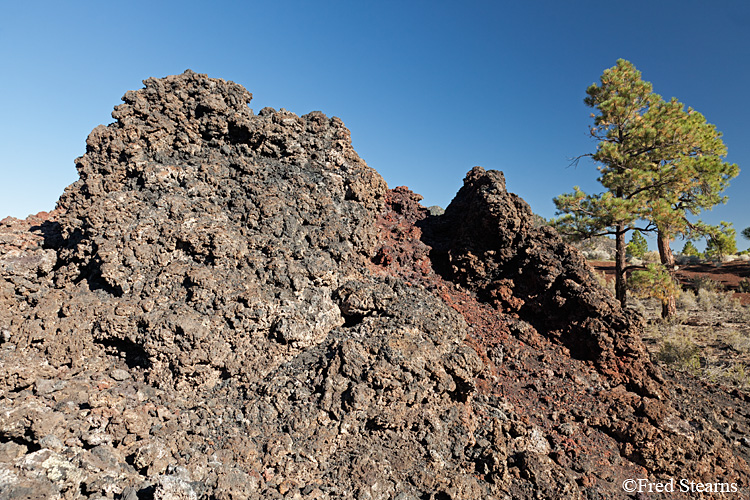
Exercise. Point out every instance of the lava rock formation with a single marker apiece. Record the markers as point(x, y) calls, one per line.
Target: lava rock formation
point(229, 305)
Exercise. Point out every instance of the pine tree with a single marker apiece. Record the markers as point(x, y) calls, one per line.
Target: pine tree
point(723, 241)
point(638, 245)
point(658, 162)
point(655, 282)
point(621, 99)
point(690, 250)
point(687, 174)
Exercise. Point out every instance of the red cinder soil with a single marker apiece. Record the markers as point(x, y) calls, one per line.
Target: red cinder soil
point(729, 274)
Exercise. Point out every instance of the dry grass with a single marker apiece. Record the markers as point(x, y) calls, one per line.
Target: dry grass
point(709, 337)
point(651, 257)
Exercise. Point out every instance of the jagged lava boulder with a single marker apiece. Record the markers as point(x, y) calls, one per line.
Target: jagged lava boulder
point(229, 305)
point(486, 242)
point(213, 257)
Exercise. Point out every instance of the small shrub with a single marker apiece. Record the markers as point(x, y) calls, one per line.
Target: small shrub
point(738, 375)
point(709, 300)
point(744, 286)
point(732, 373)
point(737, 341)
point(608, 285)
point(637, 305)
point(681, 354)
point(655, 282)
point(601, 279)
point(687, 301)
point(651, 257)
point(724, 303)
point(704, 283)
point(741, 313)
point(596, 255)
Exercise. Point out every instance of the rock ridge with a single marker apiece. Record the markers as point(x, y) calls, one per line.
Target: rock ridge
point(233, 305)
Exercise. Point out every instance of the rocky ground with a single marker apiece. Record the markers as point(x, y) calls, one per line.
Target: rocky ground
point(709, 337)
point(233, 305)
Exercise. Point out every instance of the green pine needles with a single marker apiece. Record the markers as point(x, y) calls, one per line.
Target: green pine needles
point(690, 250)
point(638, 245)
point(655, 282)
point(658, 163)
point(722, 241)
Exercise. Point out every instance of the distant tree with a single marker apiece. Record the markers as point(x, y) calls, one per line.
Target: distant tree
point(638, 245)
point(722, 241)
point(659, 163)
point(746, 233)
point(690, 250)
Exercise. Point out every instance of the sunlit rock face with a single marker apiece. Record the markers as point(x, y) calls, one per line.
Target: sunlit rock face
point(234, 305)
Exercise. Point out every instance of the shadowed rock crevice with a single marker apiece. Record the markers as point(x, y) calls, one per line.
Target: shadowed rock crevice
point(133, 354)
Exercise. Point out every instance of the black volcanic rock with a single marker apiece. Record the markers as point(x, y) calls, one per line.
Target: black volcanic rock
point(229, 305)
point(220, 235)
point(212, 283)
point(486, 241)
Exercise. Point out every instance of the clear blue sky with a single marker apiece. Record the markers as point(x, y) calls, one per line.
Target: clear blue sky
point(428, 88)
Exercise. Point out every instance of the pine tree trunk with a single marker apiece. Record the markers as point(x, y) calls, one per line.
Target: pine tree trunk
point(669, 307)
point(620, 284)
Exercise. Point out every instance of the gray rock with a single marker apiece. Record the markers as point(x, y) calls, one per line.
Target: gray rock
point(119, 374)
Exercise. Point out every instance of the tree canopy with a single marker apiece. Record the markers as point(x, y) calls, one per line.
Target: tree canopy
point(658, 162)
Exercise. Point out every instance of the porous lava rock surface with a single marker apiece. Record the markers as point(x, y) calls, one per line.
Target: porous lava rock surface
point(232, 305)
